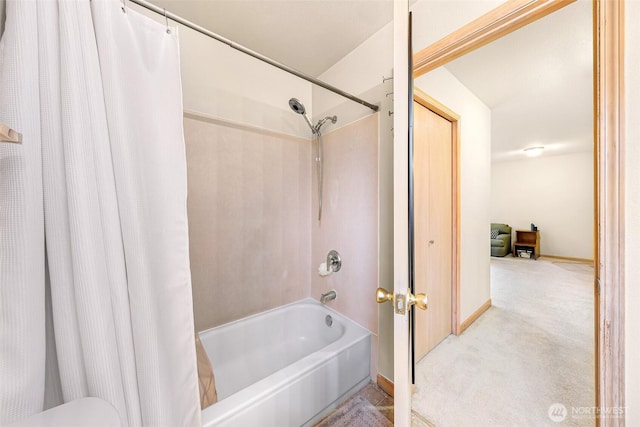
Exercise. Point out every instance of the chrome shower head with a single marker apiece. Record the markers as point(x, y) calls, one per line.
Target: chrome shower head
point(298, 107)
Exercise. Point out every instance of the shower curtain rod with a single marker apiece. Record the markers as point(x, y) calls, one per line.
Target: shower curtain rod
point(231, 44)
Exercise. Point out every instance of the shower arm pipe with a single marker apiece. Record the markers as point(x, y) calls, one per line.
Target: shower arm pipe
point(245, 50)
point(320, 170)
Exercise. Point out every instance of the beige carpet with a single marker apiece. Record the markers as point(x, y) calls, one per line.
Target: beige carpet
point(357, 412)
point(533, 348)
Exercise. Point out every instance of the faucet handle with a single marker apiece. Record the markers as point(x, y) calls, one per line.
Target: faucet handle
point(334, 262)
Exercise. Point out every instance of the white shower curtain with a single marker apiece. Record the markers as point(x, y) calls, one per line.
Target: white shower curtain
point(95, 287)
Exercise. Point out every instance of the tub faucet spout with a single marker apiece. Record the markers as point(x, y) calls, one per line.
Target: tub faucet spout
point(331, 295)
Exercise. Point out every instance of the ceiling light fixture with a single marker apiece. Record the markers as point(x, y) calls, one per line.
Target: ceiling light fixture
point(533, 151)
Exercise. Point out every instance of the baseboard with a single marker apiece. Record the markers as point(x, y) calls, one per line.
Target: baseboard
point(568, 258)
point(385, 384)
point(484, 307)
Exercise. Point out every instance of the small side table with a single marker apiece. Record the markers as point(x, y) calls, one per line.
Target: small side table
point(527, 241)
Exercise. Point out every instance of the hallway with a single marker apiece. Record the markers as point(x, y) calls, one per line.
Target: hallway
point(532, 349)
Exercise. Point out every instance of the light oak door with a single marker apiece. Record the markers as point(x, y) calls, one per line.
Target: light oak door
point(433, 204)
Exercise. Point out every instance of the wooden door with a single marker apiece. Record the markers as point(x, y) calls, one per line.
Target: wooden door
point(433, 204)
point(609, 149)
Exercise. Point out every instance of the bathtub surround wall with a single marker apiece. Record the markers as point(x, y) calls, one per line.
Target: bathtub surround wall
point(249, 219)
point(255, 241)
point(350, 223)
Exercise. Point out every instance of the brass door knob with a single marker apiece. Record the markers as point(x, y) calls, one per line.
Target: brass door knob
point(383, 295)
point(419, 300)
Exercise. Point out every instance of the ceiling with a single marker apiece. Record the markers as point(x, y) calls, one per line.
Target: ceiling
point(537, 81)
point(307, 35)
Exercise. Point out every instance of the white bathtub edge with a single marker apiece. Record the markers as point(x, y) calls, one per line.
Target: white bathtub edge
point(339, 401)
point(330, 363)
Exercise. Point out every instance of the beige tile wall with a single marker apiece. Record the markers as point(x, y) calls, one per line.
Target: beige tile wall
point(349, 223)
point(255, 240)
point(249, 219)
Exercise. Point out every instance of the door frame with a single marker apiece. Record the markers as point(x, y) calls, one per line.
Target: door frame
point(609, 162)
point(443, 111)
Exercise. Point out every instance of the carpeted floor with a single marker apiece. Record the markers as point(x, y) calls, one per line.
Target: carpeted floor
point(533, 348)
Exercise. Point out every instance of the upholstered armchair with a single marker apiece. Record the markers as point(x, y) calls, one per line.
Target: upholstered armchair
point(500, 239)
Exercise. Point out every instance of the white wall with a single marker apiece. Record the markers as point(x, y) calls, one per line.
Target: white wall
point(475, 184)
point(555, 193)
point(222, 82)
point(632, 214)
point(360, 73)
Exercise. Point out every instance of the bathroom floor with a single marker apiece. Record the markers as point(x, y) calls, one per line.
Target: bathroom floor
point(382, 402)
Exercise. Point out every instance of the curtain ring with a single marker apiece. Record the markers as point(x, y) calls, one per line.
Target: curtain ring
point(124, 6)
point(166, 21)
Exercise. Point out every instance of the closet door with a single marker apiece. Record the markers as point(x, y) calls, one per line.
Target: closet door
point(433, 144)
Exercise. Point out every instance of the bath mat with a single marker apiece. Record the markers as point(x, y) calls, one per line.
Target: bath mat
point(357, 412)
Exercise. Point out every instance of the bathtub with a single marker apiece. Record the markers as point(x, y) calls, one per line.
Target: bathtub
point(286, 366)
